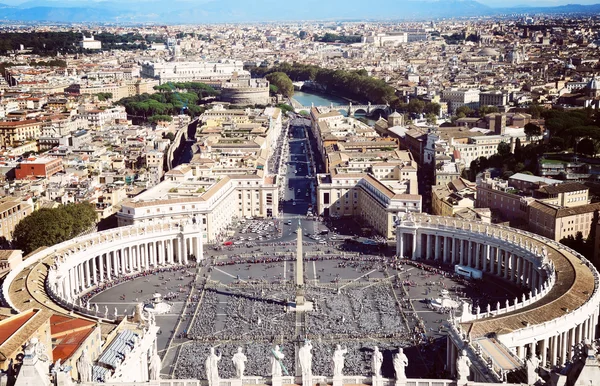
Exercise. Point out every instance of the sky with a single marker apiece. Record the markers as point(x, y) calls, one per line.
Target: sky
point(491, 3)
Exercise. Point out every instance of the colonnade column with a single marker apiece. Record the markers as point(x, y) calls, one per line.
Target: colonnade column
point(399, 246)
point(101, 267)
point(486, 257)
point(86, 269)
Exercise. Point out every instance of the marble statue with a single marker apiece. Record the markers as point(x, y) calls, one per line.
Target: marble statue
point(239, 361)
point(105, 312)
point(138, 314)
point(400, 363)
point(96, 307)
point(84, 367)
point(338, 360)
point(463, 368)
point(376, 362)
point(116, 313)
point(305, 360)
point(154, 368)
point(276, 358)
point(212, 368)
point(531, 366)
point(57, 366)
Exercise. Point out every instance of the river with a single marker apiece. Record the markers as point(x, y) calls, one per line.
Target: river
point(306, 98)
point(318, 99)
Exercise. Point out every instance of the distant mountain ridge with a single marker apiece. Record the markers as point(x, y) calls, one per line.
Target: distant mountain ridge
point(224, 11)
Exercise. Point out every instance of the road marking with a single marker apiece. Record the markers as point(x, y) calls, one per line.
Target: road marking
point(358, 278)
point(228, 274)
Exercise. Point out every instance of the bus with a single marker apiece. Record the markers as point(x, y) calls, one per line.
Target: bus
point(468, 272)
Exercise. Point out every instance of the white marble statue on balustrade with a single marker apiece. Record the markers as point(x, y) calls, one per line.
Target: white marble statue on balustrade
point(84, 367)
point(463, 368)
point(507, 304)
point(154, 367)
point(531, 366)
point(305, 361)
point(87, 305)
point(57, 367)
point(376, 362)
point(276, 358)
point(489, 308)
point(138, 314)
point(239, 362)
point(105, 312)
point(211, 366)
point(339, 360)
point(96, 307)
point(400, 362)
point(116, 313)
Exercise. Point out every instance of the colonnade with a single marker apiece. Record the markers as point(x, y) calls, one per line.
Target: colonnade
point(504, 261)
point(522, 259)
point(78, 271)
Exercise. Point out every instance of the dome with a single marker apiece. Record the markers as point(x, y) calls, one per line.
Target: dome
point(487, 51)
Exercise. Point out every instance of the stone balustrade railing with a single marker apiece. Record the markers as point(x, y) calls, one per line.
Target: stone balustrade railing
point(526, 300)
point(485, 364)
point(347, 380)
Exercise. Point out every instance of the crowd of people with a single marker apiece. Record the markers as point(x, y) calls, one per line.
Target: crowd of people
point(123, 279)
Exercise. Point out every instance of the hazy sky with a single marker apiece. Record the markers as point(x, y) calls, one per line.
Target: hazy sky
point(491, 3)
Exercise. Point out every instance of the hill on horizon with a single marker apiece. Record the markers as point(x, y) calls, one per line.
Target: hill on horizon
point(226, 11)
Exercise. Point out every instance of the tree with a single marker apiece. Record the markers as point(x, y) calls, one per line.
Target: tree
point(485, 109)
point(518, 149)
point(532, 130)
point(282, 82)
point(464, 111)
point(47, 227)
point(416, 106)
point(503, 149)
point(586, 146)
point(431, 118)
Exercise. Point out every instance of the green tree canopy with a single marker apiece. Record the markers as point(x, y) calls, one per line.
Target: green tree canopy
point(532, 130)
point(283, 83)
point(47, 227)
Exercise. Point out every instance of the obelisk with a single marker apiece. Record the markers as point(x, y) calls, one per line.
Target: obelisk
point(299, 269)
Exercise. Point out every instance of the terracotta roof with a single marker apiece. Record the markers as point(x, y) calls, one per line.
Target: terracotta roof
point(9, 326)
point(59, 324)
point(563, 188)
point(70, 343)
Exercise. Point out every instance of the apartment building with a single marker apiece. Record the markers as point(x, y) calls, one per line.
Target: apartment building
point(365, 198)
point(557, 223)
point(12, 133)
point(453, 197)
point(456, 98)
point(42, 167)
point(493, 98)
point(12, 210)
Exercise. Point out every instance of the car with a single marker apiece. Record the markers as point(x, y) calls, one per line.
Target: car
point(294, 203)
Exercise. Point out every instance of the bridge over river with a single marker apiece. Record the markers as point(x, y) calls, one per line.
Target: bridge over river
point(349, 109)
